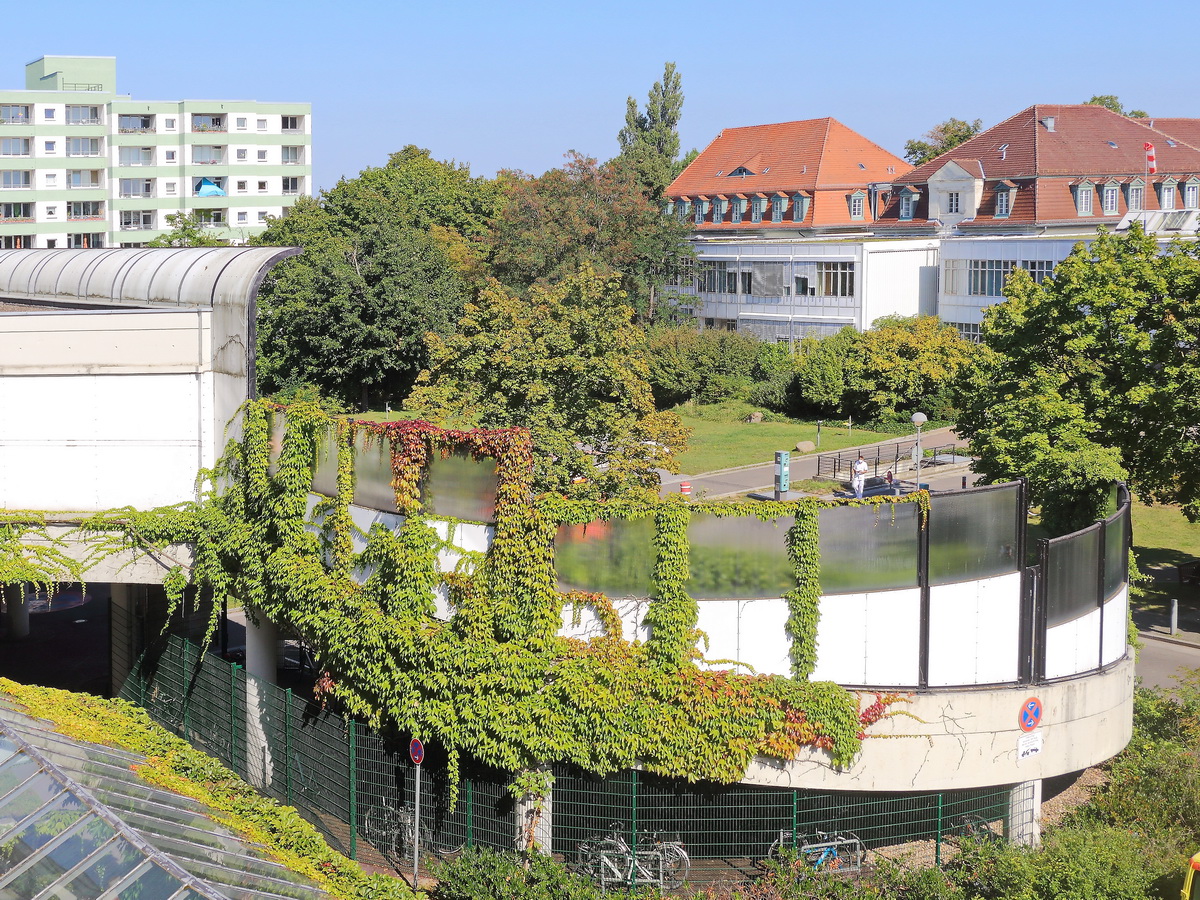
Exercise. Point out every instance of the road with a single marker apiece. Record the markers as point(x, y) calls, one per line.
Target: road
point(1160, 661)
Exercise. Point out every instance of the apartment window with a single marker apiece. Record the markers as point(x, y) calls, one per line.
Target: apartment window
point(241, 155)
point(241, 186)
point(51, 212)
point(739, 208)
point(85, 241)
point(135, 156)
point(292, 156)
point(208, 123)
point(136, 187)
point(13, 115)
point(262, 155)
point(83, 178)
point(85, 209)
point(16, 242)
point(51, 243)
point(987, 277)
point(856, 205)
point(172, 187)
point(1002, 204)
point(136, 219)
point(1191, 194)
point(835, 279)
point(261, 124)
point(16, 211)
point(83, 146)
point(241, 124)
point(205, 155)
point(290, 123)
point(1136, 198)
point(292, 186)
point(262, 187)
point(954, 202)
point(169, 124)
point(208, 187)
point(906, 206)
point(51, 147)
point(14, 146)
point(262, 217)
point(83, 115)
point(1167, 200)
point(49, 117)
point(241, 217)
point(51, 179)
point(170, 156)
point(1108, 200)
point(135, 124)
point(15, 179)
point(756, 207)
point(968, 332)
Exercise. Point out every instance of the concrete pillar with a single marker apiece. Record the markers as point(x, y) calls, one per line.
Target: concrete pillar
point(18, 611)
point(534, 826)
point(1025, 814)
point(262, 660)
point(122, 654)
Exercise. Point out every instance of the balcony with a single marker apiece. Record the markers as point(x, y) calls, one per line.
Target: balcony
point(88, 186)
point(85, 120)
point(202, 124)
point(135, 125)
point(15, 120)
point(208, 162)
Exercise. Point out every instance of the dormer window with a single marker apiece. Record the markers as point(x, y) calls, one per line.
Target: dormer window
point(1135, 195)
point(682, 207)
point(906, 206)
point(758, 206)
point(739, 210)
point(740, 172)
point(954, 202)
point(701, 210)
point(1083, 199)
point(778, 205)
point(799, 207)
point(719, 206)
point(857, 202)
point(1166, 193)
point(1191, 194)
point(1004, 198)
point(1108, 199)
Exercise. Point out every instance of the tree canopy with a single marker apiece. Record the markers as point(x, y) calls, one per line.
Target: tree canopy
point(188, 230)
point(1093, 374)
point(566, 362)
point(650, 139)
point(1110, 101)
point(940, 138)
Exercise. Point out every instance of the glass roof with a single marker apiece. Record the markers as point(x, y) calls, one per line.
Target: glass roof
point(76, 823)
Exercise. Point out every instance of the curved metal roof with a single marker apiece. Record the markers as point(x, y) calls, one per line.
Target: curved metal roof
point(171, 278)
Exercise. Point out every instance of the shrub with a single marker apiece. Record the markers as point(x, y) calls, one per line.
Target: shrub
point(482, 874)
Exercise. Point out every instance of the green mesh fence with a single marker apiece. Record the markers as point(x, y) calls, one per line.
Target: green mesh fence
point(358, 788)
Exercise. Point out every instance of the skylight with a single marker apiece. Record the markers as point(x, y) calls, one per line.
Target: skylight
point(1170, 143)
point(1113, 144)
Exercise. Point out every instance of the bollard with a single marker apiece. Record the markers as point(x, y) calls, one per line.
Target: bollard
point(964, 486)
point(1174, 616)
point(685, 488)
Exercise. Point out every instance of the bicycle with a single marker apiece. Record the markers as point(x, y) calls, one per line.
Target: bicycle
point(976, 828)
point(609, 860)
point(389, 829)
point(843, 852)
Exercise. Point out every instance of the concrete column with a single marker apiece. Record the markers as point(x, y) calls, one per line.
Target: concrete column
point(262, 659)
point(123, 650)
point(1025, 814)
point(18, 611)
point(534, 824)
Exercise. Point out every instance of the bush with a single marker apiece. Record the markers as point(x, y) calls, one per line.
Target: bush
point(482, 874)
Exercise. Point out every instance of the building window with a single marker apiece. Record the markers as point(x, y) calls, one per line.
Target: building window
point(83, 178)
point(262, 217)
point(134, 156)
point(987, 277)
point(292, 156)
point(262, 187)
point(51, 212)
point(51, 243)
point(262, 155)
point(48, 115)
point(16, 211)
point(1002, 204)
point(15, 179)
point(778, 204)
point(136, 219)
point(835, 279)
point(1108, 200)
point(969, 332)
point(954, 202)
point(83, 115)
point(803, 288)
point(1083, 200)
point(1191, 194)
point(136, 187)
point(51, 179)
point(170, 156)
point(241, 124)
point(206, 155)
point(169, 124)
point(241, 155)
point(241, 187)
point(171, 187)
point(738, 208)
point(747, 282)
point(241, 216)
point(1136, 198)
point(85, 241)
point(906, 206)
point(261, 124)
point(85, 209)
point(710, 276)
point(83, 146)
point(718, 208)
point(1039, 269)
point(757, 206)
point(13, 115)
point(207, 123)
point(134, 124)
point(1168, 197)
point(290, 123)
point(799, 207)
point(291, 185)
point(856, 205)
point(14, 146)
point(51, 147)
point(16, 242)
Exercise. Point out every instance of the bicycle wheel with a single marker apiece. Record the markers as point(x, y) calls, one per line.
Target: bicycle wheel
point(781, 843)
point(381, 827)
point(675, 864)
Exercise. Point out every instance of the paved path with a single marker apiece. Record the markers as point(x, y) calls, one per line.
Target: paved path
point(1161, 660)
point(761, 477)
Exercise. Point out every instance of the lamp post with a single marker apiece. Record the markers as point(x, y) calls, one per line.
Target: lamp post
point(919, 419)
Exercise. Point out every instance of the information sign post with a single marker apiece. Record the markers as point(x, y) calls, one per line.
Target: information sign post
point(783, 473)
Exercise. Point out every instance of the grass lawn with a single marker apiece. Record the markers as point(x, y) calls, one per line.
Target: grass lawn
point(1162, 539)
point(725, 442)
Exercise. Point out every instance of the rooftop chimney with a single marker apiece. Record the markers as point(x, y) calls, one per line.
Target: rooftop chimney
point(1048, 121)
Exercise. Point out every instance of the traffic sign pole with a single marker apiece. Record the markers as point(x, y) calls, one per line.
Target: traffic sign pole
point(416, 752)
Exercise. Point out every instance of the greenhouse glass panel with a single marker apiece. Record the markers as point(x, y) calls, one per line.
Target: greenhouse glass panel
point(7, 749)
point(738, 557)
point(868, 548)
point(373, 473)
point(1116, 552)
point(49, 858)
point(105, 869)
point(154, 882)
point(973, 535)
point(1072, 576)
point(614, 557)
point(325, 478)
point(13, 773)
point(461, 487)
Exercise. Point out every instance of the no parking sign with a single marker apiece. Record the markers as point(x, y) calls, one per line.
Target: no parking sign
point(1030, 715)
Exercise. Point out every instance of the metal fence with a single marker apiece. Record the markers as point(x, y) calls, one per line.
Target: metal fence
point(882, 458)
point(356, 786)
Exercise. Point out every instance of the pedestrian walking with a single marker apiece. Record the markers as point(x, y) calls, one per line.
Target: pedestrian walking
point(859, 481)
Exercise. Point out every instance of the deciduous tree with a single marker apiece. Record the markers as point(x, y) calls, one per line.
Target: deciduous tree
point(940, 138)
point(188, 230)
point(650, 139)
point(1110, 101)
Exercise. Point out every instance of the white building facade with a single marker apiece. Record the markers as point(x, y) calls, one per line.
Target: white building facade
point(84, 167)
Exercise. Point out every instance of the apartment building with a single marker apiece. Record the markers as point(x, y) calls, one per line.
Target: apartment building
point(82, 166)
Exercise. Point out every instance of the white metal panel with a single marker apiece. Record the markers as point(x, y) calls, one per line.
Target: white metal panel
point(762, 636)
point(581, 622)
point(841, 640)
point(719, 620)
point(1116, 625)
point(893, 638)
point(633, 613)
point(1074, 646)
point(998, 634)
point(974, 631)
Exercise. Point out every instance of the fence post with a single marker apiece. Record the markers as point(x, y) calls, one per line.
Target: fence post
point(795, 816)
point(287, 744)
point(937, 850)
point(354, 795)
point(633, 836)
point(470, 813)
point(233, 717)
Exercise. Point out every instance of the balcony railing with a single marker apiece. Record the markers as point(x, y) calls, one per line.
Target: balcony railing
point(71, 218)
point(16, 120)
point(90, 186)
point(15, 220)
point(293, 162)
point(144, 129)
point(128, 194)
point(289, 191)
point(207, 162)
point(95, 121)
point(137, 226)
point(221, 129)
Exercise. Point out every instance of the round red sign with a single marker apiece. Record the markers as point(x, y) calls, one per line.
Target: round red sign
point(1030, 715)
point(416, 750)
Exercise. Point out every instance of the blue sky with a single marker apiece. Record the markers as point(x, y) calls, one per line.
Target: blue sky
point(518, 84)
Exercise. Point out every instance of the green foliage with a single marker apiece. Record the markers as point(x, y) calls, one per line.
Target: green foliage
point(940, 138)
point(567, 364)
point(650, 139)
point(1111, 101)
point(188, 230)
point(388, 257)
point(551, 227)
point(481, 874)
point(710, 366)
point(30, 555)
point(174, 764)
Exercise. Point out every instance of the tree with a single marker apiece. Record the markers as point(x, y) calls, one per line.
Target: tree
point(1092, 370)
point(1110, 101)
point(388, 256)
point(940, 138)
point(710, 365)
point(188, 230)
point(566, 363)
point(650, 139)
point(585, 214)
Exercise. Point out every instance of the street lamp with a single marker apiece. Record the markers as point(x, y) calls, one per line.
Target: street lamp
point(918, 419)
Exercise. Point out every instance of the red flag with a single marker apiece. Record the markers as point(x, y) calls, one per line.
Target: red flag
point(1151, 165)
